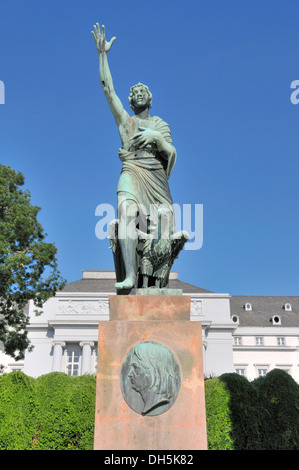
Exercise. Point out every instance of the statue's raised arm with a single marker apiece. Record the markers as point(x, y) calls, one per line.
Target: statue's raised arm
point(103, 47)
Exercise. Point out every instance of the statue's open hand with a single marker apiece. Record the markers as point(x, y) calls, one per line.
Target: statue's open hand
point(144, 137)
point(100, 39)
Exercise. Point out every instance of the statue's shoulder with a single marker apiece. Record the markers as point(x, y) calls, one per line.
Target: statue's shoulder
point(159, 122)
point(163, 127)
point(158, 119)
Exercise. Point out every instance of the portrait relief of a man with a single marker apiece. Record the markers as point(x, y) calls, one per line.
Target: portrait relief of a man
point(150, 378)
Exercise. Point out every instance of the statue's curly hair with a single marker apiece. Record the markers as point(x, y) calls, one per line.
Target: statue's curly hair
point(131, 95)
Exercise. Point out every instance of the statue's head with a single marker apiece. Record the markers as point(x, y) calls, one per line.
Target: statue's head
point(139, 97)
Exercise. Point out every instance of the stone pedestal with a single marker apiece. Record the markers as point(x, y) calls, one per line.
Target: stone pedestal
point(168, 413)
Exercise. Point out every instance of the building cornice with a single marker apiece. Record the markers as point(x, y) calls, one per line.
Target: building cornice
point(84, 323)
point(207, 295)
point(267, 331)
point(66, 295)
point(264, 348)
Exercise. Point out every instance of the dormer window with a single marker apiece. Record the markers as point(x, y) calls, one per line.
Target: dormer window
point(287, 307)
point(276, 320)
point(248, 307)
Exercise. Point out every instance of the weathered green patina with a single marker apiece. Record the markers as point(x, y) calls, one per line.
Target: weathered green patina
point(142, 238)
point(150, 378)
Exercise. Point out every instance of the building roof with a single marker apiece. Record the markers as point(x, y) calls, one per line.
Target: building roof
point(264, 309)
point(104, 281)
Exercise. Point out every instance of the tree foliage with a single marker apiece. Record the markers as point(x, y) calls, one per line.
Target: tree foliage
point(28, 264)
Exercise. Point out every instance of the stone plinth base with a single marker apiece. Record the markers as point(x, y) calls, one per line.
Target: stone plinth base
point(149, 307)
point(120, 423)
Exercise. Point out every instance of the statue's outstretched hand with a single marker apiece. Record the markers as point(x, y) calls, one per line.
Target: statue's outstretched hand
point(100, 39)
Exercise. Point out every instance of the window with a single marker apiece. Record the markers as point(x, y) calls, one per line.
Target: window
point(261, 372)
point(73, 356)
point(248, 307)
point(95, 359)
point(240, 372)
point(235, 318)
point(237, 340)
point(281, 341)
point(288, 307)
point(259, 340)
point(276, 320)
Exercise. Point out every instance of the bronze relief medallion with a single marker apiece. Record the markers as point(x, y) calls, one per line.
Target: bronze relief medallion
point(150, 378)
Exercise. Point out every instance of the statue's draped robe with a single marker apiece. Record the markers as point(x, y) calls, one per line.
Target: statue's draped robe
point(144, 176)
point(145, 173)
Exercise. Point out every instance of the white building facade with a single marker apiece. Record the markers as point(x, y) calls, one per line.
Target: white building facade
point(65, 334)
point(267, 335)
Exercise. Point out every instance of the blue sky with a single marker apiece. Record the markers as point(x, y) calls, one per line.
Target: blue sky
point(220, 74)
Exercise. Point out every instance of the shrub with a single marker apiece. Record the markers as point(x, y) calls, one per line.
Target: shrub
point(245, 412)
point(17, 411)
point(82, 408)
point(66, 409)
point(218, 415)
point(279, 398)
point(56, 412)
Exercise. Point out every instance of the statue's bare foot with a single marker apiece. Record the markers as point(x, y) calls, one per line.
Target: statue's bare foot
point(128, 283)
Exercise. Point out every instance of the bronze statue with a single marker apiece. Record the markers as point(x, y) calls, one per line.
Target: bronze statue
point(144, 250)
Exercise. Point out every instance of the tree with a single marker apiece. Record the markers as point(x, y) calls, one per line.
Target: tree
point(28, 265)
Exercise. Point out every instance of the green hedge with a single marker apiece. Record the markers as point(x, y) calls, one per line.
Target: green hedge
point(52, 412)
point(279, 399)
point(219, 425)
point(66, 409)
point(17, 411)
point(56, 412)
point(258, 415)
